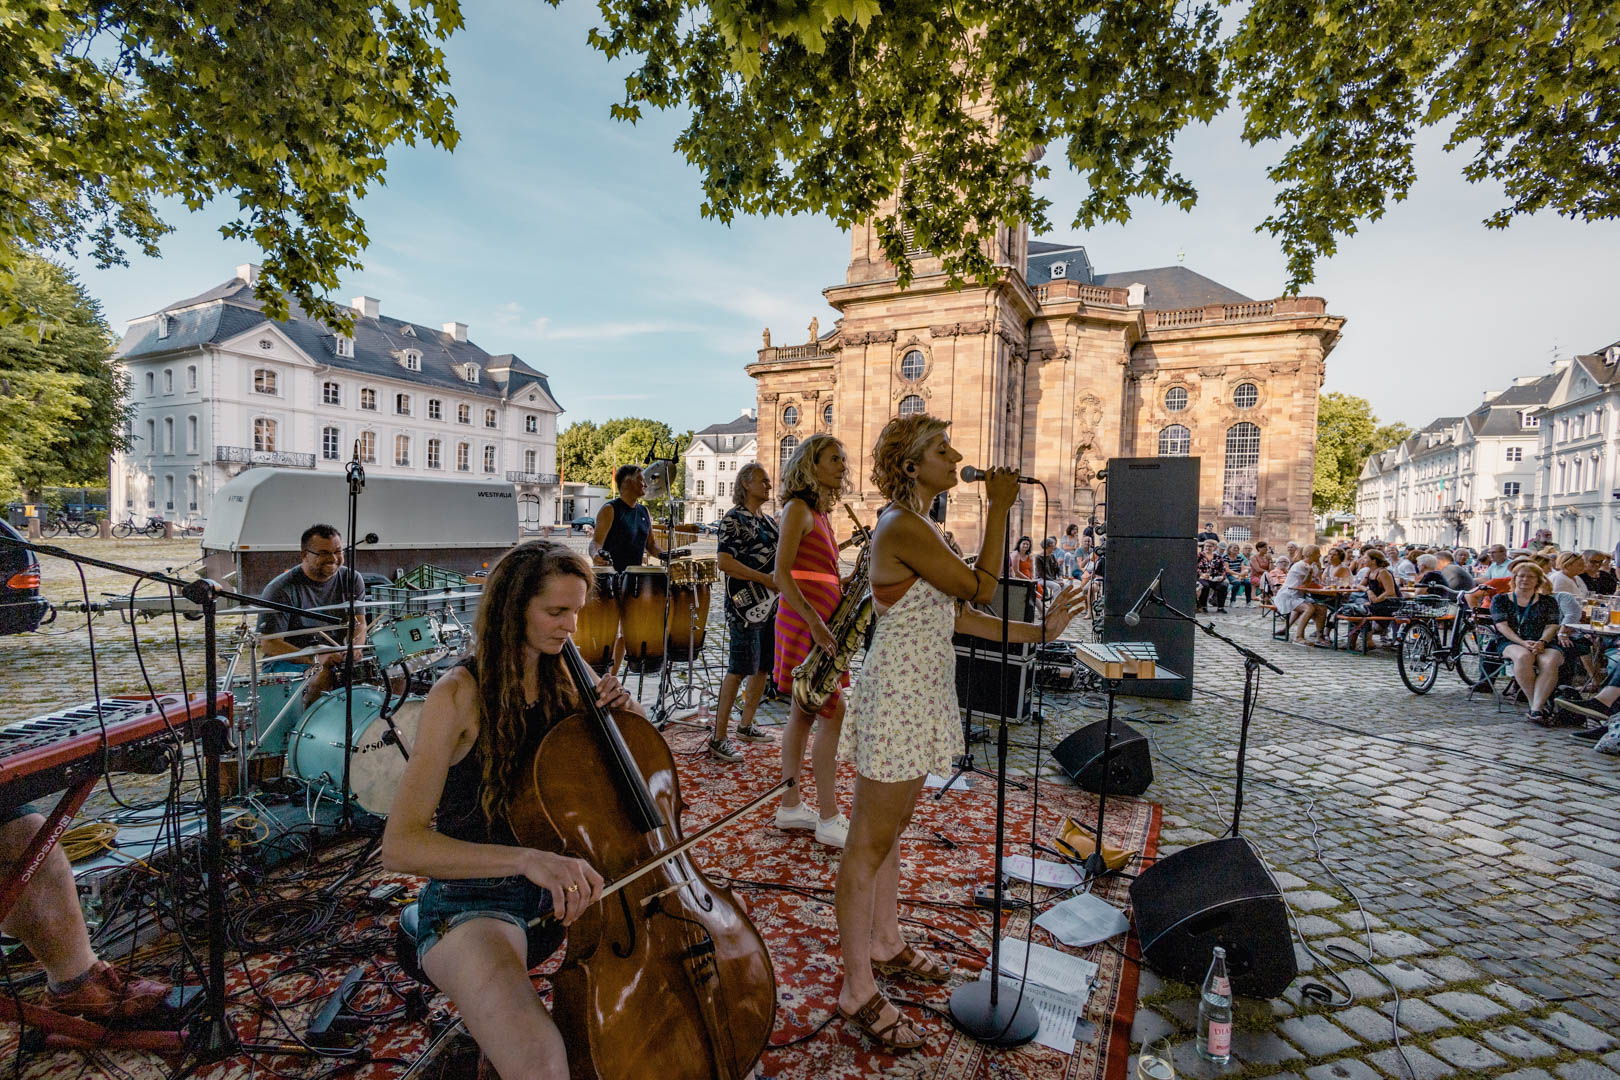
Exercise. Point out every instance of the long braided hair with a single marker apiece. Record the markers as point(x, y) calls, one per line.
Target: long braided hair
point(499, 633)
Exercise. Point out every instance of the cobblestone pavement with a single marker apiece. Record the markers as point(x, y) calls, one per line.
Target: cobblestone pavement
point(1485, 852)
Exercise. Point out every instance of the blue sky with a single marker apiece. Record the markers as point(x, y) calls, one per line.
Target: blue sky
point(574, 241)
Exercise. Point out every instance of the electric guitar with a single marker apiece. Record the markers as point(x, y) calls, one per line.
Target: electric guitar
point(750, 601)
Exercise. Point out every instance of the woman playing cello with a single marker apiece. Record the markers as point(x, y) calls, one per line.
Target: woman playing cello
point(479, 725)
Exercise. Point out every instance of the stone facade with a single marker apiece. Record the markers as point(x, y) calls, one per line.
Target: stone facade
point(1054, 368)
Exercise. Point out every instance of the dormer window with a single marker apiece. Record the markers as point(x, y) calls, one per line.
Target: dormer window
point(162, 326)
point(1529, 420)
point(408, 330)
point(345, 346)
point(411, 359)
point(470, 372)
point(1059, 270)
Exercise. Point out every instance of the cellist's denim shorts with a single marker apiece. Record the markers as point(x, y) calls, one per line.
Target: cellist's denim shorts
point(446, 904)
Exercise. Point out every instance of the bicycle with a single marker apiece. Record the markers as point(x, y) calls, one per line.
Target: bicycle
point(1426, 646)
point(55, 524)
point(127, 528)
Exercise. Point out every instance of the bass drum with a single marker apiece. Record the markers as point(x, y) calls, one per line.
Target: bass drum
point(315, 750)
point(643, 591)
point(598, 624)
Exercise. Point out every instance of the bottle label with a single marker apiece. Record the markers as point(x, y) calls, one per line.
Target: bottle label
point(1223, 986)
point(1220, 1038)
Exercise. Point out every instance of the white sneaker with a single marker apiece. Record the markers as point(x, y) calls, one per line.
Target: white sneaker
point(833, 833)
point(796, 817)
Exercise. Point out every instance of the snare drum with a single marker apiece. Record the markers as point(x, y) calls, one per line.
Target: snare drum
point(598, 624)
point(643, 591)
point(315, 751)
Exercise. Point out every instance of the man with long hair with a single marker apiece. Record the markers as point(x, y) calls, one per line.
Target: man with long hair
point(748, 539)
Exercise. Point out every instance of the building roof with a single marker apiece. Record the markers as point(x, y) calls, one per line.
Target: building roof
point(1168, 287)
point(231, 309)
point(742, 425)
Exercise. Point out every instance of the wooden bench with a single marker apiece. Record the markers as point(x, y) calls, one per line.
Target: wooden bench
point(1276, 633)
point(1354, 623)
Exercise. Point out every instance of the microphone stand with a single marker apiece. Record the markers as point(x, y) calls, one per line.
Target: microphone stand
point(976, 1009)
point(357, 482)
point(1252, 663)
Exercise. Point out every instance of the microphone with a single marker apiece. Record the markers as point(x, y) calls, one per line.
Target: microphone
point(973, 476)
point(1133, 617)
point(369, 538)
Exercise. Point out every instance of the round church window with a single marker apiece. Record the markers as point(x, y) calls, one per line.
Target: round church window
point(1175, 399)
point(790, 417)
point(912, 366)
point(827, 415)
point(1246, 395)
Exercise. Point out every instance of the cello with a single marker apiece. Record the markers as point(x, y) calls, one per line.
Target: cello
point(665, 977)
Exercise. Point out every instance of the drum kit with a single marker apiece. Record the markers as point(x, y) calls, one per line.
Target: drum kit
point(285, 727)
point(663, 614)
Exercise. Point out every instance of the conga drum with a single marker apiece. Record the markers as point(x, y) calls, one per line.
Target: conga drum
point(598, 624)
point(643, 591)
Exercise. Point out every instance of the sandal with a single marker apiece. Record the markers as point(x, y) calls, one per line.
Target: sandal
point(865, 1021)
point(909, 961)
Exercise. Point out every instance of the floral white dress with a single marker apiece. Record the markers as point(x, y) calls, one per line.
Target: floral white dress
point(902, 721)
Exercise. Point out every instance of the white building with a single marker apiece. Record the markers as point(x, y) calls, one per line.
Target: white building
point(712, 461)
point(218, 387)
point(1577, 484)
point(1462, 479)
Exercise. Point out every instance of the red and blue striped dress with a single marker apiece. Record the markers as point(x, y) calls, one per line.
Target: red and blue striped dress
point(815, 569)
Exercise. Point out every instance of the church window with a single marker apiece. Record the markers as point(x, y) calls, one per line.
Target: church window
point(911, 405)
point(827, 415)
point(1245, 396)
point(789, 445)
point(1241, 481)
point(912, 365)
point(1175, 399)
point(790, 416)
point(1238, 534)
point(1175, 441)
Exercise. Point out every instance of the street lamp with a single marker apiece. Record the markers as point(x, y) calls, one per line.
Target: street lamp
point(1457, 514)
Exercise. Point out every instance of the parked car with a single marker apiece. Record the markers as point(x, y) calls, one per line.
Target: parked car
point(22, 609)
point(712, 528)
point(583, 523)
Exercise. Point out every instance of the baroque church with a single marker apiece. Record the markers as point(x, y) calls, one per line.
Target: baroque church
point(1055, 367)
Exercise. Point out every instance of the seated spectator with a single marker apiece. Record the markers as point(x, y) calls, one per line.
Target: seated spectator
point(1260, 570)
point(1406, 568)
point(1300, 609)
point(1428, 573)
point(1021, 563)
point(1450, 565)
point(1383, 596)
point(1565, 577)
point(1597, 576)
point(1211, 578)
point(1049, 568)
point(1495, 562)
point(1069, 548)
point(1237, 575)
point(1528, 617)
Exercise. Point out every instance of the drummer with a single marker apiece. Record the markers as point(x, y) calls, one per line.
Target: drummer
point(624, 534)
point(320, 580)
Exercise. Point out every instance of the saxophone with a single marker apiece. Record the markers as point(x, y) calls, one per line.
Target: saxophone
point(816, 680)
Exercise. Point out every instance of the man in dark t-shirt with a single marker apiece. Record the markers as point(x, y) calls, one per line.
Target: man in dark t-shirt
point(320, 580)
point(624, 534)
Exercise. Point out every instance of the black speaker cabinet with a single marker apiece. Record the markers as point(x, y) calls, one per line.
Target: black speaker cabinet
point(1216, 893)
point(1133, 563)
point(978, 678)
point(1130, 768)
point(1154, 496)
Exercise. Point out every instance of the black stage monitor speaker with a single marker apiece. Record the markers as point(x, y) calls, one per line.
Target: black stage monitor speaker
point(1216, 893)
point(1130, 769)
point(1155, 496)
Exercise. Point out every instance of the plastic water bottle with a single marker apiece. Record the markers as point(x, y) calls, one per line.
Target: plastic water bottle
point(1215, 1013)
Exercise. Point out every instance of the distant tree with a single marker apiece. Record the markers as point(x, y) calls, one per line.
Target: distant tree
point(1389, 435)
point(1344, 432)
point(62, 400)
point(590, 452)
point(285, 107)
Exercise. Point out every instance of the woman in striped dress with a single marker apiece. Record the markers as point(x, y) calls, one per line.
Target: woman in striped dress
point(807, 577)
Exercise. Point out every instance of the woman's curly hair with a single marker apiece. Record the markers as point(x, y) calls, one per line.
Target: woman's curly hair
point(799, 475)
point(903, 441)
point(500, 632)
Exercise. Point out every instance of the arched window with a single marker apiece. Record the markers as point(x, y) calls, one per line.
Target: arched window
point(827, 414)
point(1240, 488)
point(1175, 399)
point(402, 449)
point(790, 416)
point(168, 434)
point(191, 379)
point(1175, 441)
point(168, 380)
point(192, 487)
point(1245, 396)
point(151, 383)
point(911, 405)
point(912, 366)
point(789, 445)
point(191, 435)
point(264, 435)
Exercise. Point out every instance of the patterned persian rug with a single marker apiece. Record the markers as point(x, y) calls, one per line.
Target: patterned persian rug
point(785, 880)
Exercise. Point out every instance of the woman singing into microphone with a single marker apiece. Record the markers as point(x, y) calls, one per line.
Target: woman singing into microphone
point(902, 720)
